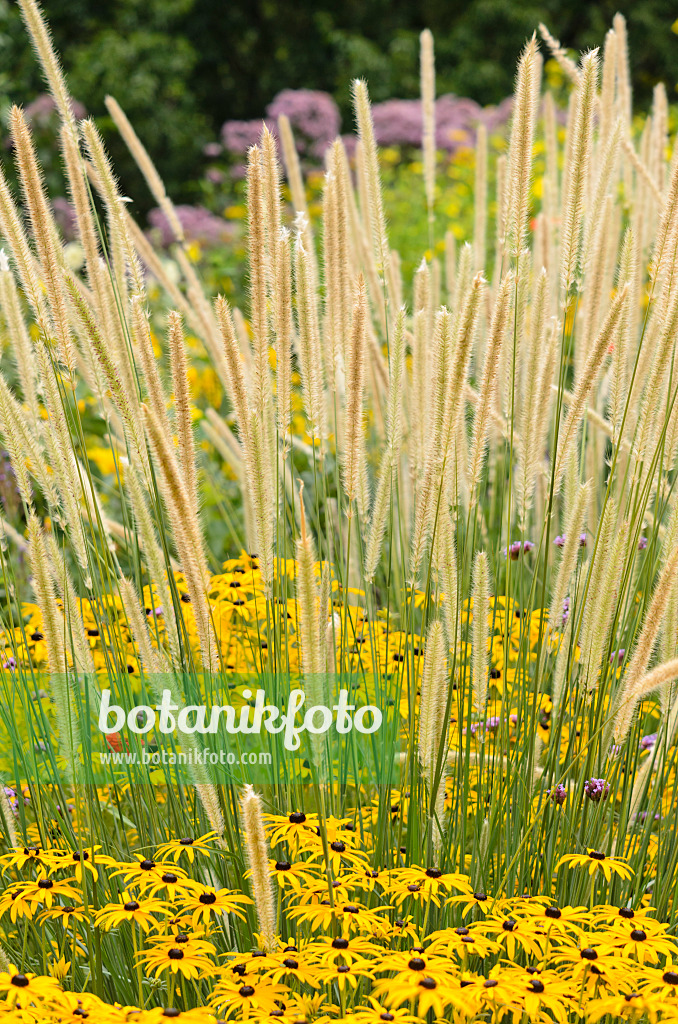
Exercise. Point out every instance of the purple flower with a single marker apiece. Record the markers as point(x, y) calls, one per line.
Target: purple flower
point(314, 118)
point(212, 150)
point(559, 541)
point(647, 742)
point(566, 611)
point(558, 795)
point(582, 540)
point(617, 656)
point(596, 789)
point(10, 664)
point(492, 722)
point(515, 549)
point(215, 176)
point(642, 543)
point(64, 215)
point(238, 136)
point(513, 719)
point(43, 110)
point(198, 223)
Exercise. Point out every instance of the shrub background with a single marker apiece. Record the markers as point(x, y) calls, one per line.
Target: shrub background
point(183, 67)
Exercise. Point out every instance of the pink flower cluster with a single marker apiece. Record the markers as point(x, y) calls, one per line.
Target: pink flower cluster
point(315, 121)
point(198, 223)
point(313, 116)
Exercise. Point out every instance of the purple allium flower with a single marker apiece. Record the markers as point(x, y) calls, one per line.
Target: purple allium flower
point(582, 540)
point(596, 789)
point(617, 656)
point(492, 722)
point(527, 546)
point(642, 543)
point(647, 742)
point(558, 795)
point(559, 541)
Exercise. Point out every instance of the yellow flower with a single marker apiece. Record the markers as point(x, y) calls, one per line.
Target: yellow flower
point(597, 861)
point(242, 1001)
point(206, 902)
point(64, 914)
point(59, 969)
point(180, 958)
point(43, 890)
point(28, 988)
point(143, 912)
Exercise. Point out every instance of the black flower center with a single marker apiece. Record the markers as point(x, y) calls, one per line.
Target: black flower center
point(246, 991)
point(536, 985)
point(208, 898)
point(20, 980)
point(170, 877)
point(282, 865)
point(490, 983)
point(553, 912)
point(297, 818)
point(638, 935)
point(596, 855)
point(338, 846)
point(147, 865)
point(176, 954)
point(339, 943)
point(428, 983)
point(589, 954)
point(131, 906)
point(433, 872)
point(416, 964)
point(290, 964)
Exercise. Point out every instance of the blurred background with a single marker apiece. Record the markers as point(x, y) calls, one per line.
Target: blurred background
point(196, 77)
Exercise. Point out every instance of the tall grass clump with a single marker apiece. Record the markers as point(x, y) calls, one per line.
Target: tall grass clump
point(451, 499)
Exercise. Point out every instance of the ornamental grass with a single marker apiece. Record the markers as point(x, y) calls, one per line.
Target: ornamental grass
point(449, 499)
